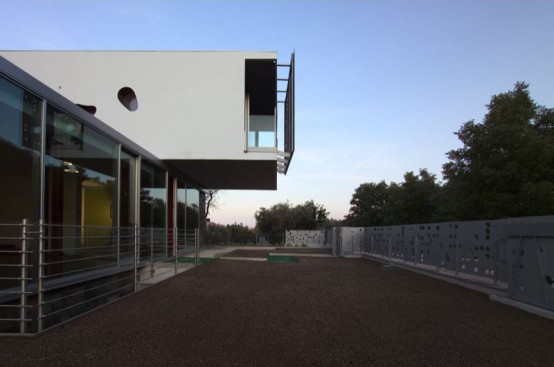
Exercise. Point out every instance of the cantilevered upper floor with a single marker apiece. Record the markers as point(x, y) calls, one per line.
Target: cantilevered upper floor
point(211, 115)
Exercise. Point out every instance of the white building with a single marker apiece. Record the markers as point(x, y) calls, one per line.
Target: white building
point(105, 158)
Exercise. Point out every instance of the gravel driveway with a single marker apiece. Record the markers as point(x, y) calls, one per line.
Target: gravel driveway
point(314, 312)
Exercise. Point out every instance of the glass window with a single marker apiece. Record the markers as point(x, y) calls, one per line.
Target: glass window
point(81, 192)
point(192, 212)
point(153, 196)
point(127, 194)
point(20, 114)
point(181, 205)
point(261, 132)
point(81, 172)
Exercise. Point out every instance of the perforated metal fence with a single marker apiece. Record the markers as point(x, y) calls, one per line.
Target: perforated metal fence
point(300, 238)
point(52, 273)
point(515, 254)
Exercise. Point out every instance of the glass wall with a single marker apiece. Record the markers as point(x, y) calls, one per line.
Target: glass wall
point(83, 202)
point(188, 213)
point(20, 137)
point(261, 131)
point(193, 206)
point(153, 209)
point(81, 191)
point(127, 190)
point(153, 196)
point(181, 205)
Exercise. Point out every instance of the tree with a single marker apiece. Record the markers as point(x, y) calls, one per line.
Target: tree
point(506, 165)
point(212, 202)
point(415, 200)
point(368, 204)
point(218, 234)
point(283, 216)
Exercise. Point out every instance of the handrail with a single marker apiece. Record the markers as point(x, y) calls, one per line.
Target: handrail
point(55, 261)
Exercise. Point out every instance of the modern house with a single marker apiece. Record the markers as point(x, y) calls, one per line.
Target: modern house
point(105, 156)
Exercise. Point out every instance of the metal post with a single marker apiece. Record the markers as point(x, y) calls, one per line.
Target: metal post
point(118, 205)
point(118, 244)
point(136, 253)
point(152, 252)
point(23, 292)
point(175, 239)
point(196, 245)
point(40, 276)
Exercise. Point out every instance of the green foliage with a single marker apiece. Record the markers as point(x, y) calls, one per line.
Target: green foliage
point(369, 205)
point(506, 165)
point(505, 168)
point(230, 234)
point(415, 200)
point(283, 216)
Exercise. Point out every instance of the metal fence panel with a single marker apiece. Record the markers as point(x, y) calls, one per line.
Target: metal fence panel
point(531, 264)
point(515, 254)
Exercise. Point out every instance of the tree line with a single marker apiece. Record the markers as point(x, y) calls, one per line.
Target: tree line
point(505, 168)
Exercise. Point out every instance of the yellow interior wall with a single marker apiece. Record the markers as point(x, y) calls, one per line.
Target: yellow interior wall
point(97, 206)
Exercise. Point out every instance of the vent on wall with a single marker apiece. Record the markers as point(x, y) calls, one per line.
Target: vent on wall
point(89, 109)
point(128, 98)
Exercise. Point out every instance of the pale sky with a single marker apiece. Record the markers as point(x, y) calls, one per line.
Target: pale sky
point(381, 86)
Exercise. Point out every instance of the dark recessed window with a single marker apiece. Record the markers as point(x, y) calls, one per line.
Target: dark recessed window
point(128, 98)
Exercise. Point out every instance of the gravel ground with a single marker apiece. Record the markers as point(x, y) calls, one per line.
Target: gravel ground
point(316, 312)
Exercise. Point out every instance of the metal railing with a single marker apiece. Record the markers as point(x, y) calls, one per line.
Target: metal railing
point(52, 273)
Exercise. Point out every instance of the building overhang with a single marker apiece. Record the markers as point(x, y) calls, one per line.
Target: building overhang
point(230, 174)
point(188, 111)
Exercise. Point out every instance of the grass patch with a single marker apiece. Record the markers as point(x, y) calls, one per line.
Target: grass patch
point(281, 259)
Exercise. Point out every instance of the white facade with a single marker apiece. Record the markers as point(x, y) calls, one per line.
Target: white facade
point(192, 106)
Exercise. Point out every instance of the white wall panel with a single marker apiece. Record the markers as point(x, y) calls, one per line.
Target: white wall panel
point(190, 104)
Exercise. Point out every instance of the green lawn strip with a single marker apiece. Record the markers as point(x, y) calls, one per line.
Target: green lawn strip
point(281, 259)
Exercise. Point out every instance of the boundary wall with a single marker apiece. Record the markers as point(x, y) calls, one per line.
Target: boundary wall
point(311, 239)
point(513, 255)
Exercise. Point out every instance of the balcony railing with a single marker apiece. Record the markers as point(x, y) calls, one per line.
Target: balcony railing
point(51, 273)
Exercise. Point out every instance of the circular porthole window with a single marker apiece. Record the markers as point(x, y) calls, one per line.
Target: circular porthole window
point(128, 98)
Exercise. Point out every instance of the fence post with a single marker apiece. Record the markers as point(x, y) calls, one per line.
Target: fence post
point(40, 275)
point(196, 245)
point(118, 244)
point(136, 244)
point(152, 252)
point(23, 292)
point(175, 243)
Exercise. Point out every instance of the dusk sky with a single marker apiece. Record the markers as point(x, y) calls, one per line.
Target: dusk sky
point(381, 85)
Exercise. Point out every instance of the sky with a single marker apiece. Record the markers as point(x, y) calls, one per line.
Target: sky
point(381, 86)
